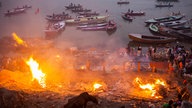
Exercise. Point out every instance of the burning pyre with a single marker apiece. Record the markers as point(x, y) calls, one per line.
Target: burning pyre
point(111, 86)
point(150, 88)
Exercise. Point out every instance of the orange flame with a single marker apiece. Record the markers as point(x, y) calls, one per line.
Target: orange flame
point(150, 87)
point(96, 86)
point(18, 40)
point(36, 72)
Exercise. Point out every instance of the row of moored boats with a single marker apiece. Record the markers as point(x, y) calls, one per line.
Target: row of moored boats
point(168, 29)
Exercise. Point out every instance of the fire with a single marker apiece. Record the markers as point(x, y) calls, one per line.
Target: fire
point(150, 87)
point(96, 86)
point(83, 67)
point(36, 72)
point(18, 40)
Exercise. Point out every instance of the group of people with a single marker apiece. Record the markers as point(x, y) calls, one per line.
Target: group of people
point(180, 60)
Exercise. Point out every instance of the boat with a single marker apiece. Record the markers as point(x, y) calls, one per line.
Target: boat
point(86, 19)
point(181, 27)
point(73, 6)
point(167, 0)
point(134, 13)
point(92, 25)
point(111, 26)
point(164, 5)
point(88, 13)
point(150, 39)
point(25, 6)
point(55, 28)
point(174, 23)
point(154, 28)
point(127, 17)
point(62, 14)
point(92, 22)
point(187, 34)
point(15, 11)
point(81, 10)
point(164, 19)
point(58, 17)
point(122, 2)
point(94, 28)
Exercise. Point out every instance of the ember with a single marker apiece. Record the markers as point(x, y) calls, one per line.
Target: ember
point(36, 72)
point(18, 40)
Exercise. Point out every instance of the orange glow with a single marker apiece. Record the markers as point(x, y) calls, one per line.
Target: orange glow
point(18, 40)
point(83, 67)
point(36, 72)
point(150, 88)
point(97, 86)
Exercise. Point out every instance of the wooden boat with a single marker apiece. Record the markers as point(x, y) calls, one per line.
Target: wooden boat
point(81, 10)
point(25, 6)
point(58, 17)
point(15, 11)
point(88, 13)
point(127, 17)
point(55, 28)
point(181, 27)
point(122, 2)
point(73, 6)
point(94, 28)
point(92, 25)
point(92, 22)
point(163, 5)
point(174, 23)
point(62, 14)
point(153, 28)
point(135, 13)
point(167, 0)
point(187, 34)
point(86, 19)
point(111, 26)
point(164, 19)
point(150, 39)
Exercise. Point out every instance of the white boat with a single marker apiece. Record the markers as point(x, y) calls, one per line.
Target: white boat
point(164, 19)
point(55, 28)
point(174, 23)
point(92, 25)
point(15, 11)
point(86, 19)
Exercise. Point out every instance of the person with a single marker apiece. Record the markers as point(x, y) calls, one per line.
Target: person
point(106, 11)
point(131, 11)
point(168, 105)
point(128, 49)
point(139, 50)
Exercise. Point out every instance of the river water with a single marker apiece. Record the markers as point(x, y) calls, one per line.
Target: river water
point(30, 24)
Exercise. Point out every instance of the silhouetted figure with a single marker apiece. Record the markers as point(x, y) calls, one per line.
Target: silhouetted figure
point(80, 101)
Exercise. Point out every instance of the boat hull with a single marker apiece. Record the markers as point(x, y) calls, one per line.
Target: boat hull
point(150, 39)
